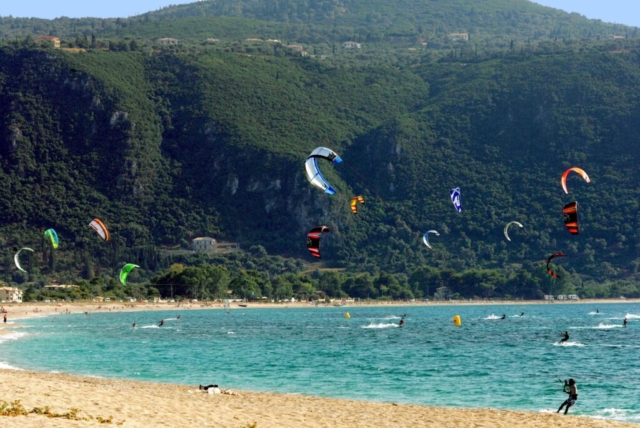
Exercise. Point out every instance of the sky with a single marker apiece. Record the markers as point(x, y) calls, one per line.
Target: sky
point(619, 11)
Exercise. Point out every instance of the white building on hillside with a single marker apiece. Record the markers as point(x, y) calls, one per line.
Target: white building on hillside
point(10, 294)
point(204, 244)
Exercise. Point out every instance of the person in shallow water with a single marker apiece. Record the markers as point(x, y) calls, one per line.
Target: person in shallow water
point(565, 337)
point(573, 396)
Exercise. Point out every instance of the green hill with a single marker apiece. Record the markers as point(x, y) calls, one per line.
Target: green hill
point(489, 23)
point(168, 146)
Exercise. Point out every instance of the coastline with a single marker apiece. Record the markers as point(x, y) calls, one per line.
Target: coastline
point(145, 404)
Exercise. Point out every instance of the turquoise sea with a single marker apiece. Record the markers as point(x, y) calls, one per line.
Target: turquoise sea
point(513, 363)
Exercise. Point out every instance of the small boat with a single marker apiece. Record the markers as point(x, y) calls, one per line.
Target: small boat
point(242, 305)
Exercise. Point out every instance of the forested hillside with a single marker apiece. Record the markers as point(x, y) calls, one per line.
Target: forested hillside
point(489, 23)
point(167, 144)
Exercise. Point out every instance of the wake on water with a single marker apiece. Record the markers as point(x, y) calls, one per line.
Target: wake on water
point(569, 344)
point(380, 325)
point(492, 317)
point(632, 316)
point(607, 326)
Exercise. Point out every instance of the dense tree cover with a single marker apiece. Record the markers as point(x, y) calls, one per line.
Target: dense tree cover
point(168, 145)
point(495, 23)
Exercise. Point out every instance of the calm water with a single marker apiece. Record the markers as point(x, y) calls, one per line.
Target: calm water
point(488, 362)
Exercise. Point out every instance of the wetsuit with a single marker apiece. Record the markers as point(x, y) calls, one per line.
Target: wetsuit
point(565, 337)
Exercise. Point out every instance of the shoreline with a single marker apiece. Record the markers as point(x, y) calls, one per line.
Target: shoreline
point(145, 404)
point(132, 403)
point(30, 309)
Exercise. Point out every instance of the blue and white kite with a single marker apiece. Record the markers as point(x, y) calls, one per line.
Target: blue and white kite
point(455, 198)
point(314, 175)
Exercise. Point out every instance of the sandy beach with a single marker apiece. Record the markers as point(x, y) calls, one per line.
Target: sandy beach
point(99, 402)
point(142, 404)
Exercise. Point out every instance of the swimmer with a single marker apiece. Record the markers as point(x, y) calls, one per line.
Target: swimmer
point(565, 337)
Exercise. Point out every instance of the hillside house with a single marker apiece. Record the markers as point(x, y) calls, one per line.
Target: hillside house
point(351, 45)
point(205, 244)
point(253, 40)
point(296, 48)
point(55, 287)
point(167, 41)
point(52, 40)
point(10, 294)
point(459, 37)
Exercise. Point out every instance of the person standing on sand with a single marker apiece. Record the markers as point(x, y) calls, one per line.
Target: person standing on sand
point(573, 396)
point(5, 318)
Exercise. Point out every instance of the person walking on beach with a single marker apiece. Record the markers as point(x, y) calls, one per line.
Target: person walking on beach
point(565, 337)
point(573, 396)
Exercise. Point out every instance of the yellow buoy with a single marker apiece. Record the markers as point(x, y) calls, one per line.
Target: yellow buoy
point(346, 315)
point(457, 321)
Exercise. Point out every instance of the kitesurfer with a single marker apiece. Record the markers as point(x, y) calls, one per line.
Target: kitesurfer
point(178, 317)
point(624, 323)
point(134, 324)
point(161, 323)
point(521, 314)
point(597, 311)
point(573, 396)
point(504, 316)
point(565, 337)
point(401, 322)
